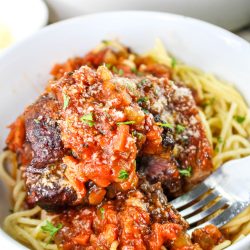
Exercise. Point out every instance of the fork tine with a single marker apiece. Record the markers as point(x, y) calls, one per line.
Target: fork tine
point(190, 196)
point(199, 204)
point(228, 214)
point(196, 218)
point(223, 218)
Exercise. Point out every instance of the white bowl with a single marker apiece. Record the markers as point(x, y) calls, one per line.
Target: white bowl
point(24, 69)
point(230, 14)
point(22, 18)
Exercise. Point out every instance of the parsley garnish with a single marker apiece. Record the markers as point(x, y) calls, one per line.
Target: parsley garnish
point(51, 229)
point(145, 111)
point(165, 125)
point(137, 134)
point(125, 123)
point(88, 119)
point(107, 65)
point(106, 42)
point(220, 140)
point(123, 175)
point(186, 172)
point(142, 99)
point(102, 211)
point(120, 72)
point(209, 102)
point(143, 81)
point(114, 69)
point(134, 70)
point(65, 101)
point(239, 119)
point(179, 128)
point(173, 62)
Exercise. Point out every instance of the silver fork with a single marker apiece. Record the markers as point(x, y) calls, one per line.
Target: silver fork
point(226, 190)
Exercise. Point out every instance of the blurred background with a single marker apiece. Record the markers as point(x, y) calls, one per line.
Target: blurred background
point(20, 18)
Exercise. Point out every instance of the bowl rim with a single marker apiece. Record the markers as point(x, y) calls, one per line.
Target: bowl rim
point(155, 14)
point(6, 238)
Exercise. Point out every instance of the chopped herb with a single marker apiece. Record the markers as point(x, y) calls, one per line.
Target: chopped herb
point(145, 111)
point(123, 175)
point(179, 128)
point(36, 121)
point(209, 102)
point(102, 211)
point(134, 70)
point(216, 149)
point(51, 229)
point(65, 101)
point(88, 119)
point(108, 65)
point(115, 70)
point(137, 134)
point(143, 81)
point(120, 72)
point(106, 42)
point(220, 140)
point(70, 73)
point(173, 62)
point(142, 99)
point(125, 123)
point(165, 125)
point(186, 172)
point(239, 119)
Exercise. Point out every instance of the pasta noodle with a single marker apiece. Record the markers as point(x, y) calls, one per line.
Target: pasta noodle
point(225, 116)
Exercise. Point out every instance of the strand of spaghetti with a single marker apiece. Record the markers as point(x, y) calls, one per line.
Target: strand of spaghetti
point(49, 246)
point(3, 173)
point(28, 238)
point(208, 111)
point(215, 122)
point(239, 128)
point(29, 221)
point(196, 81)
point(24, 213)
point(219, 89)
point(207, 128)
point(37, 229)
point(212, 85)
point(227, 124)
point(19, 201)
point(244, 142)
point(230, 154)
point(246, 229)
point(238, 222)
point(17, 188)
point(223, 245)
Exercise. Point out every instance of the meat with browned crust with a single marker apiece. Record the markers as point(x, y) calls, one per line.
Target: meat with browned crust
point(139, 220)
point(90, 127)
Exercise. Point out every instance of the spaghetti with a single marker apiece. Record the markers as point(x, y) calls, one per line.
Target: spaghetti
point(225, 116)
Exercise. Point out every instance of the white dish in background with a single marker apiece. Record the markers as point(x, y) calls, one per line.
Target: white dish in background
point(24, 68)
point(230, 14)
point(22, 17)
